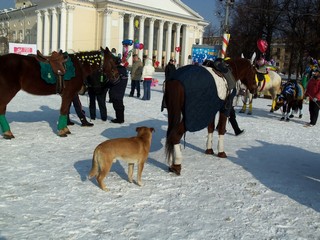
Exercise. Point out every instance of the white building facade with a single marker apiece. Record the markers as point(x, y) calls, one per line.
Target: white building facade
point(166, 28)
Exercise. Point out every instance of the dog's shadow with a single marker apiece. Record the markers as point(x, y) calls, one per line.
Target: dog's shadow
point(83, 167)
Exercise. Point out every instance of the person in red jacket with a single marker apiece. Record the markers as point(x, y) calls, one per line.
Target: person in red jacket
point(313, 92)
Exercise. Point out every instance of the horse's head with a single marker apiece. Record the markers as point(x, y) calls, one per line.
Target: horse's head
point(243, 70)
point(56, 60)
point(109, 66)
point(279, 102)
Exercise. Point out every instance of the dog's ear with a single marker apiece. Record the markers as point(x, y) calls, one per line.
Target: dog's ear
point(152, 129)
point(137, 129)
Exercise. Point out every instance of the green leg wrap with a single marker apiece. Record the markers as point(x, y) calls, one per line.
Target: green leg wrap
point(4, 123)
point(62, 122)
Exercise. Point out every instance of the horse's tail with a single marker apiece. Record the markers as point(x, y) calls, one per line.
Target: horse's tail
point(174, 99)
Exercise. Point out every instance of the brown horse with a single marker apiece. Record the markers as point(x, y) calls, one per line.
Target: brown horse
point(181, 115)
point(19, 72)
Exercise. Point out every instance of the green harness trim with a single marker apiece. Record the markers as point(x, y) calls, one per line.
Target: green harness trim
point(4, 123)
point(62, 123)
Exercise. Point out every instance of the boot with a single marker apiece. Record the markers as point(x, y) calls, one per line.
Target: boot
point(85, 123)
point(119, 117)
point(69, 123)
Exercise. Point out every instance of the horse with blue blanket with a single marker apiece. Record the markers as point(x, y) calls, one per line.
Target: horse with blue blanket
point(193, 97)
point(18, 72)
point(291, 100)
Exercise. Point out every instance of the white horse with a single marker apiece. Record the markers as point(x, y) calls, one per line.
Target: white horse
point(270, 84)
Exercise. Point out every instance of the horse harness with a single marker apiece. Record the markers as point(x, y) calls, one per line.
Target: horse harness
point(56, 60)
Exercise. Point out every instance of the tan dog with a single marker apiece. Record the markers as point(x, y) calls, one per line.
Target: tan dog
point(132, 150)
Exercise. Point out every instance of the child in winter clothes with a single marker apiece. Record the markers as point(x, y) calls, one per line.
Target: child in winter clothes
point(313, 92)
point(147, 76)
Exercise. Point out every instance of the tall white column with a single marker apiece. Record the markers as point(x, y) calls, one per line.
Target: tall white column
point(63, 27)
point(46, 35)
point(121, 27)
point(160, 43)
point(131, 34)
point(107, 28)
point(39, 30)
point(141, 34)
point(201, 36)
point(169, 39)
point(177, 54)
point(70, 28)
point(151, 32)
point(54, 29)
point(185, 45)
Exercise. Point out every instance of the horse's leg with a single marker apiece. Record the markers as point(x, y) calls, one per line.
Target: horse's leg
point(244, 106)
point(63, 129)
point(284, 111)
point(209, 149)
point(6, 97)
point(7, 134)
point(300, 105)
point(250, 103)
point(274, 100)
point(176, 157)
point(221, 131)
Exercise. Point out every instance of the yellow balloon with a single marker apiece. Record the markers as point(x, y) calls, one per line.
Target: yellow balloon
point(136, 23)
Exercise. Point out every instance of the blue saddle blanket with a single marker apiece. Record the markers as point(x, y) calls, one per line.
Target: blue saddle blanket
point(201, 97)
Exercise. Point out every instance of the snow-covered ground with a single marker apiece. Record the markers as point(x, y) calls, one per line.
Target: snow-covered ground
point(267, 188)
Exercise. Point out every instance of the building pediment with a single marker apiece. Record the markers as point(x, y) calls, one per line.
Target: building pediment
point(172, 7)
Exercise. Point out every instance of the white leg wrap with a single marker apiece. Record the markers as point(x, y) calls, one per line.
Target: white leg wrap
point(209, 140)
point(177, 154)
point(220, 143)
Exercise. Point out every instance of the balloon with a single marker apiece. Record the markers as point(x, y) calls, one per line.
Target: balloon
point(127, 42)
point(136, 23)
point(177, 49)
point(141, 46)
point(137, 45)
point(262, 45)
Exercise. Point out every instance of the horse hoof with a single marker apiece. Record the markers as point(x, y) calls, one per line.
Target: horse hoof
point(291, 116)
point(271, 111)
point(241, 111)
point(175, 168)
point(281, 119)
point(287, 119)
point(8, 135)
point(62, 133)
point(222, 155)
point(249, 113)
point(66, 130)
point(209, 151)
point(300, 116)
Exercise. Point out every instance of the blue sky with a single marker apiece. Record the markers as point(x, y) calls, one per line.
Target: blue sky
point(206, 8)
point(6, 4)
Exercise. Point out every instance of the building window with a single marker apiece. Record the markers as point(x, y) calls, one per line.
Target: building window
point(20, 36)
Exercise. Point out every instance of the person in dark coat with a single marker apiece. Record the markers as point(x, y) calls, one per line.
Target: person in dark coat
point(168, 73)
point(170, 69)
point(116, 93)
point(97, 90)
point(313, 92)
point(80, 113)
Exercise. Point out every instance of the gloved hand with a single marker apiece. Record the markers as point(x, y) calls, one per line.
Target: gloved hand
point(315, 99)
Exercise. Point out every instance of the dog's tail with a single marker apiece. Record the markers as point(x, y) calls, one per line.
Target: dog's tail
point(95, 164)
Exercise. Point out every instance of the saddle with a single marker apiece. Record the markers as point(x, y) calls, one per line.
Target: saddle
point(221, 68)
point(56, 60)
